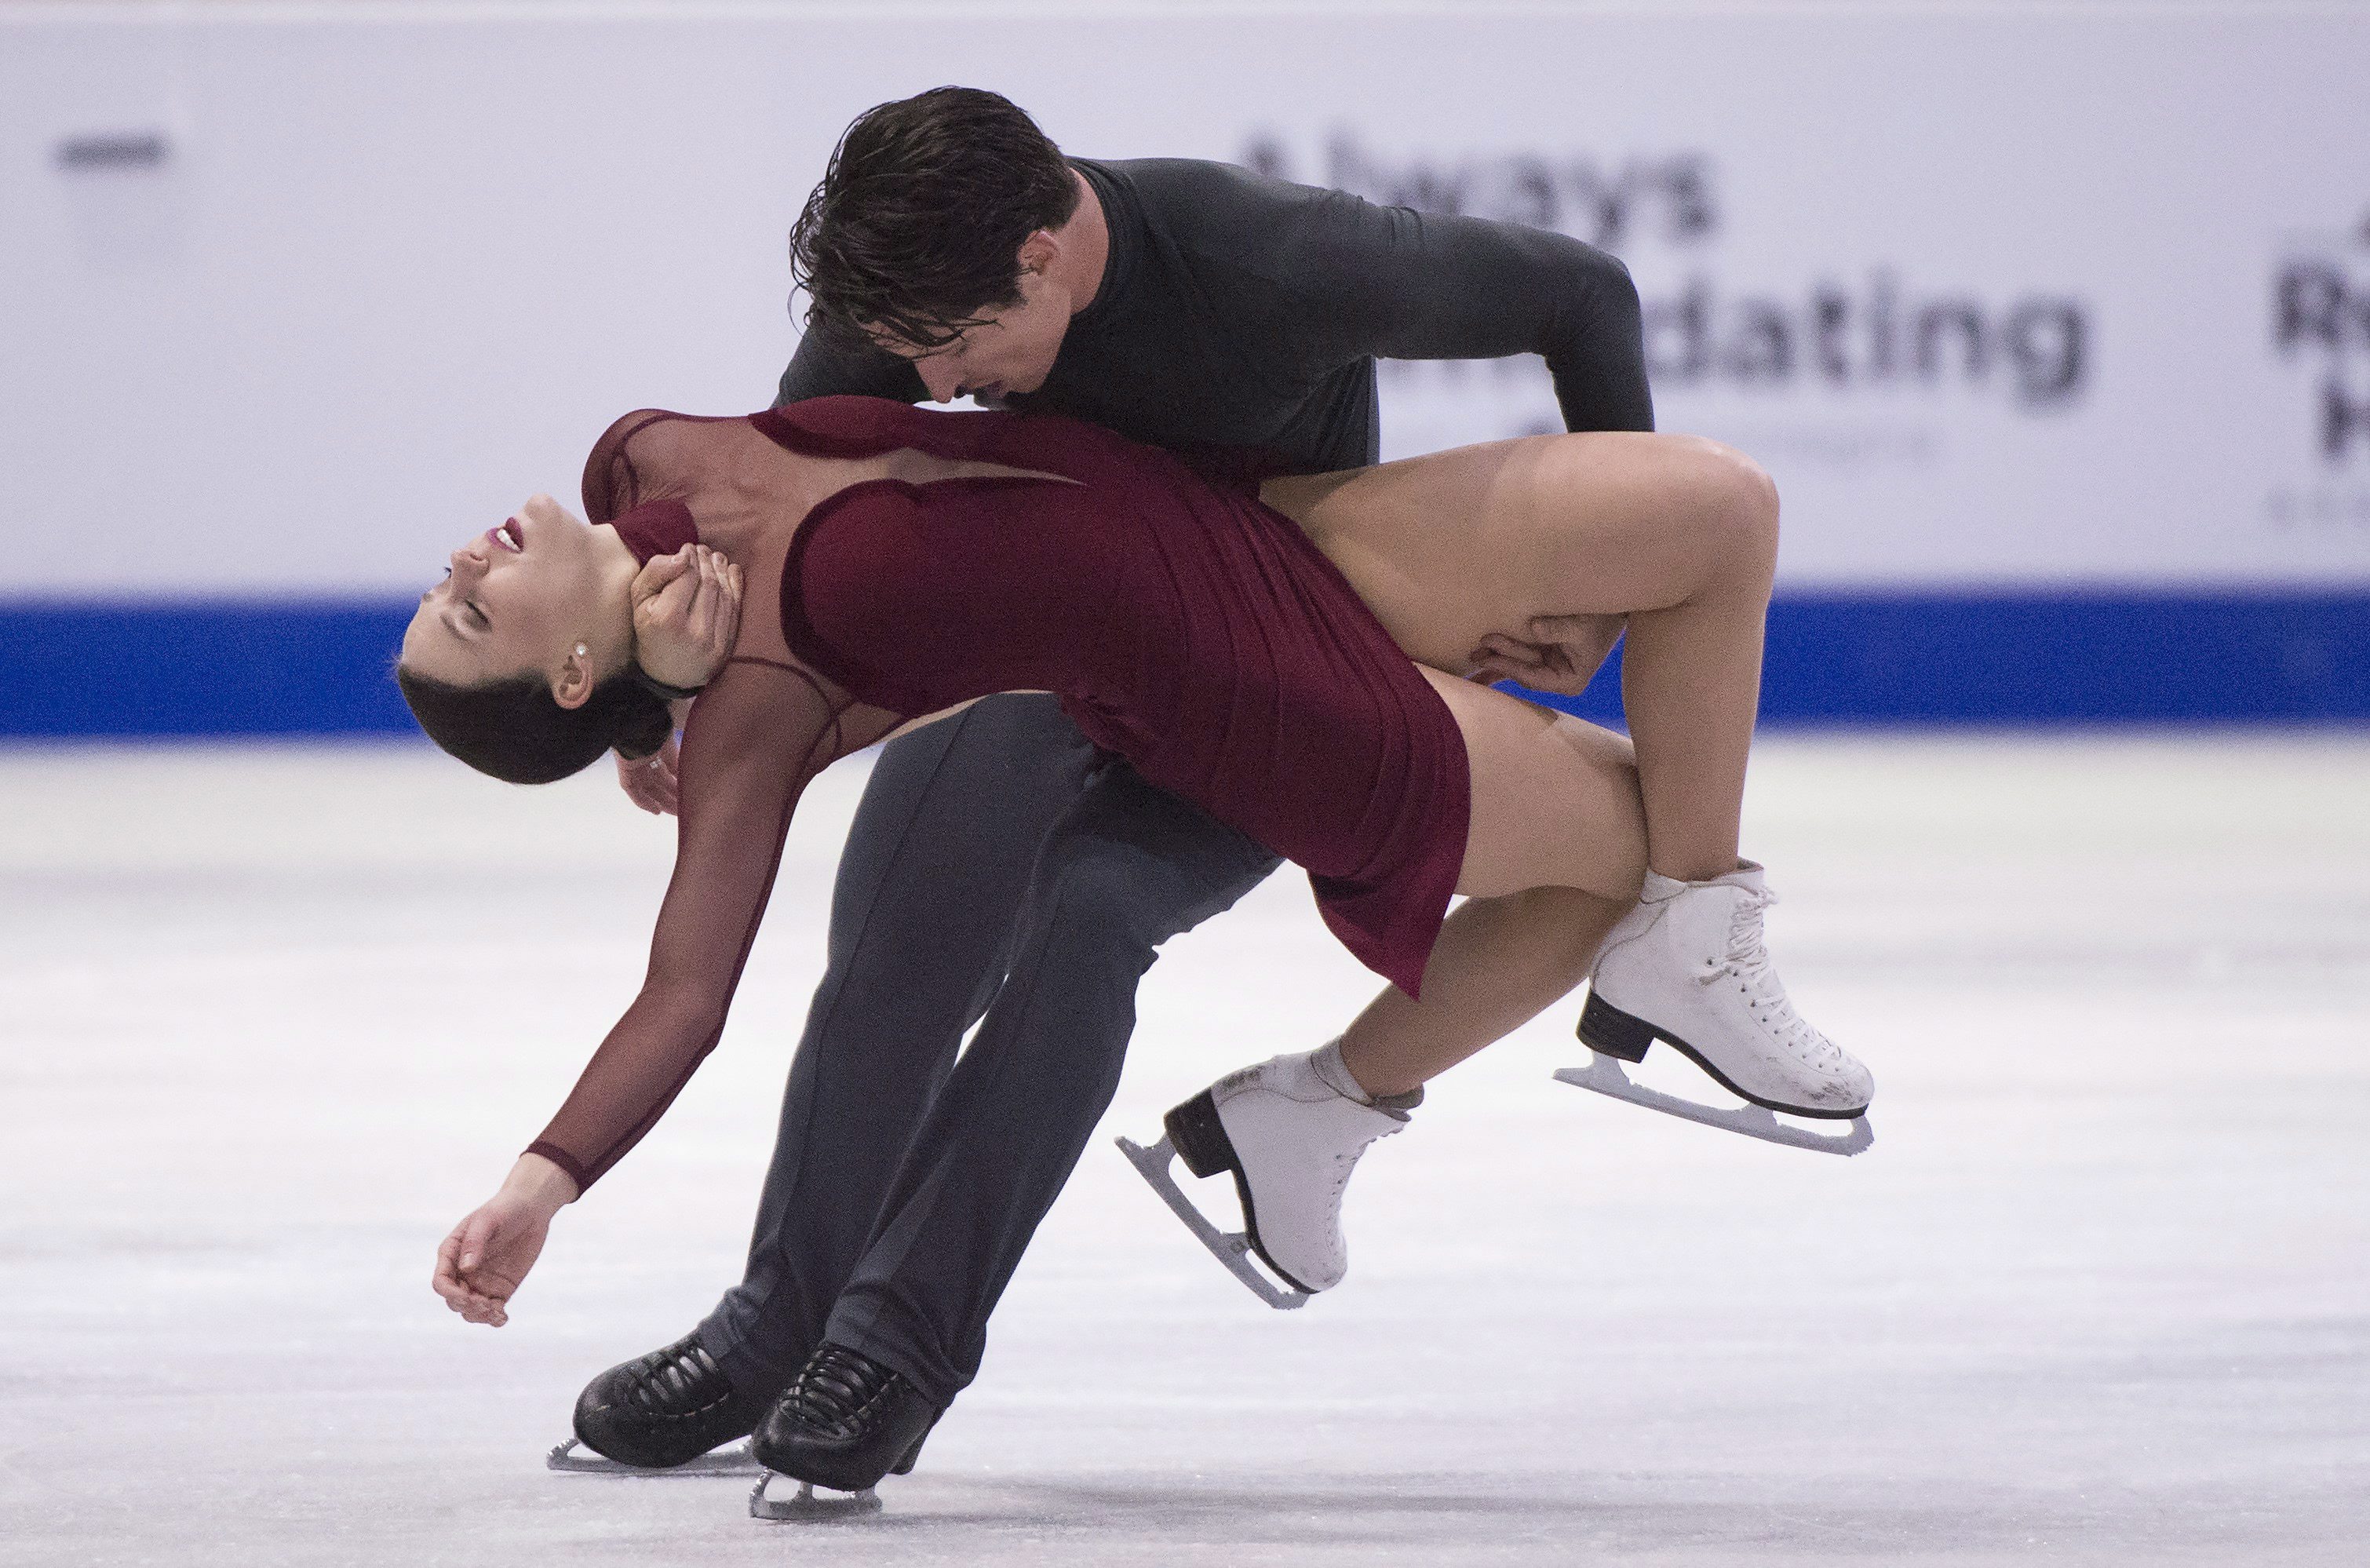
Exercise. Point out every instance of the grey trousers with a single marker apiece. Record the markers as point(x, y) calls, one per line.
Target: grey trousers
point(1002, 871)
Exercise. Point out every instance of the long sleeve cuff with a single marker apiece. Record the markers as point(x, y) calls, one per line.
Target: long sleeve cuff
point(566, 1161)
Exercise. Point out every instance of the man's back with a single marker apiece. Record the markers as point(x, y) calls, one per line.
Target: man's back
point(1242, 313)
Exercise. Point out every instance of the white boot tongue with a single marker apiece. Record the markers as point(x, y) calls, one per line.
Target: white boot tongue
point(1335, 1074)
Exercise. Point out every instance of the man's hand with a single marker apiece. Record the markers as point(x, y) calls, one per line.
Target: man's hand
point(650, 781)
point(687, 613)
point(1560, 655)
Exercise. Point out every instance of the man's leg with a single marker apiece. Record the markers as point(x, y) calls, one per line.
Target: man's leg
point(1126, 867)
point(922, 915)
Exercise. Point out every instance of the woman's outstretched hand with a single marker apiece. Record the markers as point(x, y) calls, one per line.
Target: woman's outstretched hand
point(686, 614)
point(486, 1259)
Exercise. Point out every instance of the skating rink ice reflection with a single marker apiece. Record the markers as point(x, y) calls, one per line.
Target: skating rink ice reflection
point(274, 1018)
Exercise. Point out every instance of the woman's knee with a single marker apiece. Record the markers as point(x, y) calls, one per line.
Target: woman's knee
point(1712, 506)
point(1614, 843)
point(1684, 514)
point(1616, 867)
point(1737, 506)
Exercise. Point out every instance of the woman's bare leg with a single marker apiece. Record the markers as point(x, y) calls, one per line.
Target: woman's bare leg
point(1499, 963)
point(1519, 539)
point(1555, 852)
point(1553, 860)
point(1554, 856)
point(1677, 534)
point(1691, 685)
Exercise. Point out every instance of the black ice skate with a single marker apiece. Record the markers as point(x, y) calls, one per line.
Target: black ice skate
point(661, 1414)
point(844, 1421)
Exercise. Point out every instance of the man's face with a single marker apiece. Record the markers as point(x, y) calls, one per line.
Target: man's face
point(1011, 350)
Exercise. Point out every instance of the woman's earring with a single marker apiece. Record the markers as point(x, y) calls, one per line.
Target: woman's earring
point(580, 651)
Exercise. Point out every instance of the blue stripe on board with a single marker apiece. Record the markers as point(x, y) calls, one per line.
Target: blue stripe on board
point(310, 667)
point(320, 667)
point(2065, 658)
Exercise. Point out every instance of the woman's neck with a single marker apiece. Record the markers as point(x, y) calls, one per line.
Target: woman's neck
point(609, 629)
point(745, 491)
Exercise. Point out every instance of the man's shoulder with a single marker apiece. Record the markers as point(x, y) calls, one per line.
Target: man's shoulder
point(1162, 176)
point(1238, 233)
point(1202, 199)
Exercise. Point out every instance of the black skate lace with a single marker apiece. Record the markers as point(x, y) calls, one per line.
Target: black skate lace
point(679, 1382)
point(836, 1387)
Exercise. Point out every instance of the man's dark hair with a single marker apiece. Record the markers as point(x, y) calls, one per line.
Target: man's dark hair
point(916, 228)
point(513, 730)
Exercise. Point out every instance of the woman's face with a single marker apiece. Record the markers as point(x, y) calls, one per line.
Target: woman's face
point(516, 599)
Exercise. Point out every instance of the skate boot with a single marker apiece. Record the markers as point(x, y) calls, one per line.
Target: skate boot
point(661, 1412)
point(844, 1421)
point(1290, 1132)
point(1689, 966)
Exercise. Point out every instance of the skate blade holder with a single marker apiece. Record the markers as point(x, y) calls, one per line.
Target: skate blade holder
point(1603, 1075)
point(1232, 1248)
point(808, 1504)
point(735, 1460)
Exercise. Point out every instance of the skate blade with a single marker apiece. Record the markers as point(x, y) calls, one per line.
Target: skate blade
point(735, 1460)
point(1231, 1247)
point(807, 1505)
point(1603, 1075)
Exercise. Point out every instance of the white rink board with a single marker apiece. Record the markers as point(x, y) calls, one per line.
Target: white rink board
point(1996, 295)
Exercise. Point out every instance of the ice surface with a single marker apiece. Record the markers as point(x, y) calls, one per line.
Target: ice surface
point(271, 1020)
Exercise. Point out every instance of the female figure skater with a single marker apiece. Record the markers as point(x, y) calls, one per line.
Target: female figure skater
point(907, 561)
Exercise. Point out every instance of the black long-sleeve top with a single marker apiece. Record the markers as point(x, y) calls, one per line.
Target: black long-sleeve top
point(1243, 313)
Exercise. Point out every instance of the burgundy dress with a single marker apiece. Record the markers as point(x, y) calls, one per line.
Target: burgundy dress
point(1181, 622)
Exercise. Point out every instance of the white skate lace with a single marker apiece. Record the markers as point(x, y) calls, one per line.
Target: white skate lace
point(1345, 1163)
point(1747, 958)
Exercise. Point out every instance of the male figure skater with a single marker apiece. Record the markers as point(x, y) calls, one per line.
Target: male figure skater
point(1000, 870)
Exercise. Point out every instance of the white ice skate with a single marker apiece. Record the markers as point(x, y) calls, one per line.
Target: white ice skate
point(1689, 966)
point(1290, 1131)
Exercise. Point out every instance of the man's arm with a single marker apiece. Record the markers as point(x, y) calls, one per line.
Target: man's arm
point(823, 367)
point(1397, 283)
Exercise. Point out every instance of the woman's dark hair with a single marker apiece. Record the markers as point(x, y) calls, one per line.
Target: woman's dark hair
point(917, 226)
point(512, 729)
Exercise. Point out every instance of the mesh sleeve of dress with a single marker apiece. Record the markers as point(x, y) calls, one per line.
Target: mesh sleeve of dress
point(759, 732)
